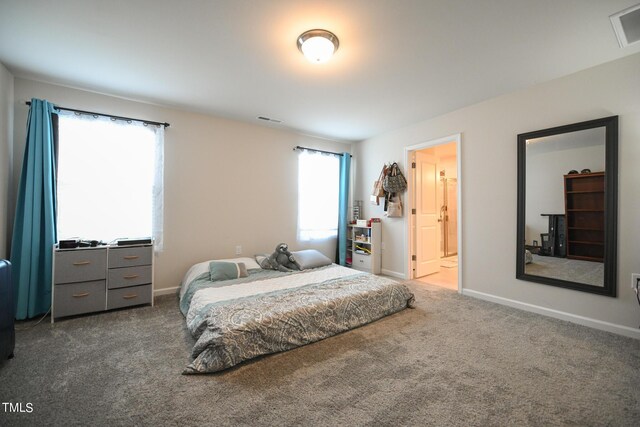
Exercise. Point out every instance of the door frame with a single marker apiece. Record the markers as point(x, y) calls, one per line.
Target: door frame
point(409, 237)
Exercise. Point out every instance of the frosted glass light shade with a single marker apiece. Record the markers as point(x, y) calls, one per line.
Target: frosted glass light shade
point(318, 45)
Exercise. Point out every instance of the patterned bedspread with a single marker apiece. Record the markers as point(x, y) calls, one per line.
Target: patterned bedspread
point(266, 313)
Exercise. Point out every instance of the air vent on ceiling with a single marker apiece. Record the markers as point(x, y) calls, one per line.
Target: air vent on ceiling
point(626, 25)
point(269, 119)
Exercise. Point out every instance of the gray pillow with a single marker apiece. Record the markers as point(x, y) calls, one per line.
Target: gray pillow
point(310, 258)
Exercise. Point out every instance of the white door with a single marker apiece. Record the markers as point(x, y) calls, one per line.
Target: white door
point(427, 213)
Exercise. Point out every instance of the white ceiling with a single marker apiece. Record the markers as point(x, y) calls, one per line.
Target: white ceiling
point(399, 62)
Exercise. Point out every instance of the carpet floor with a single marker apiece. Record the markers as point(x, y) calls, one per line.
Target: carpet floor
point(453, 360)
point(572, 270)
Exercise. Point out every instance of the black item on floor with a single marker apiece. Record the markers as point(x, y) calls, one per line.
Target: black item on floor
point(545, 249)
point(556, 236)
point(7, 330)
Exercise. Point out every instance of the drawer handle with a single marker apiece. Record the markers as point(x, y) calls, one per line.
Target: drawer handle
point(81, 295)
point(131, 276)
point(130, 296)
point(82, 263)
point(131, 257)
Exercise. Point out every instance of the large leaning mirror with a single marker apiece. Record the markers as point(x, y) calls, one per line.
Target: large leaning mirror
point(567, 206)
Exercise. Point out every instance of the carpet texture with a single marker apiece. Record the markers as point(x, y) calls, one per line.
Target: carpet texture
point(573, 270)
point(453, 360)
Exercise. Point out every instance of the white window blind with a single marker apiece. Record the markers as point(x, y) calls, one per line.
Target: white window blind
point(318, 188)
point(109, 178)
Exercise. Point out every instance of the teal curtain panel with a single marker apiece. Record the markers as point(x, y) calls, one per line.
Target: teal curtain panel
point(343, 207)
point(34, 229)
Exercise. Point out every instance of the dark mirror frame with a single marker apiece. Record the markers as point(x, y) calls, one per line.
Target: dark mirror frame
point(610, 210)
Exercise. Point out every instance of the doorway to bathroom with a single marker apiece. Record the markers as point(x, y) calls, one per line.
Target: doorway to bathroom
point(434, 205)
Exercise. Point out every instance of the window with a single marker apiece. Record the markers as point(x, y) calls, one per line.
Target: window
point(318, 188)
point(109, 178)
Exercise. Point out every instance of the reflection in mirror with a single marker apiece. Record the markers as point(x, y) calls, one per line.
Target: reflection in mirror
point(564, 213)
point(567, 206)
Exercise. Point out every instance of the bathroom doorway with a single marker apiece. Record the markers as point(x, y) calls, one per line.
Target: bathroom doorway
point(434, 225)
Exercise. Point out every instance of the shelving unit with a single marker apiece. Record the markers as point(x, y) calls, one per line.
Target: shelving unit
point(584, 208)
point(364, 246)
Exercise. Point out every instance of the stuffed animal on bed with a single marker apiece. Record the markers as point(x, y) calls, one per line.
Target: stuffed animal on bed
point(281, 259)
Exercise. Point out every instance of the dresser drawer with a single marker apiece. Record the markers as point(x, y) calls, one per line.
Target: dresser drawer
point(78, 298)
point(80, 265)
point(129, 257)
point(362, 262)
point(129, 276)
point(125, 297)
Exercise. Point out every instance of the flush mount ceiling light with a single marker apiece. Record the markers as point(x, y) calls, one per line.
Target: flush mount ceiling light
point(318, 45)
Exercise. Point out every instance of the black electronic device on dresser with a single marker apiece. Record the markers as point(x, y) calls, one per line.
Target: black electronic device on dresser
point(7, 330)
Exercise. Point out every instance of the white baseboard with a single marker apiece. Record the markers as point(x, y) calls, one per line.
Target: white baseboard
point(574, 318)
point(392, 273)
point(165, 291)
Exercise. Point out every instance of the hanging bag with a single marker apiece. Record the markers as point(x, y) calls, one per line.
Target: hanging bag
point(394, 182)
point(378, 189)
point(394, 209)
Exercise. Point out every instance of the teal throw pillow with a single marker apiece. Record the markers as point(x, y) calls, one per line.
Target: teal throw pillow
point(222, 270)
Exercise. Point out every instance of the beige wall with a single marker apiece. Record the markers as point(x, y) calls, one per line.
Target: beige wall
point(489, 192)
point(6, 153)
point(227, 183)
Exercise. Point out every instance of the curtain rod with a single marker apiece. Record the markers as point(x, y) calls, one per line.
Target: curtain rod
point(92, 113)
point(297, 147)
